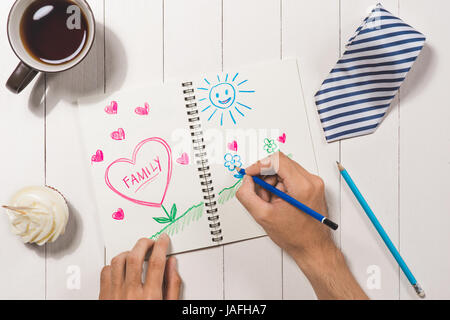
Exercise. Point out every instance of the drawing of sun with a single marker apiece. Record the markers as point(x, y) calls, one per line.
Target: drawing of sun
point(220, 98)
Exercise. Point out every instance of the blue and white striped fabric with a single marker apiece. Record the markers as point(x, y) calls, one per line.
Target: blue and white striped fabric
point(354, 98)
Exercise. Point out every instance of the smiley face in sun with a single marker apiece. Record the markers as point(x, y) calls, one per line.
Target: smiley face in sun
point(221, 99)
point(222, 95)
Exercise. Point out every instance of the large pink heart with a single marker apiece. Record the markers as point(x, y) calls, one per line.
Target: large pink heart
point(143, 179)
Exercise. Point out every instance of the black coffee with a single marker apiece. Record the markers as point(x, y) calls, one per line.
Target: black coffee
point(53, 32)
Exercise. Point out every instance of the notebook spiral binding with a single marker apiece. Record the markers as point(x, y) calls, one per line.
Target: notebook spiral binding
point(202, 162)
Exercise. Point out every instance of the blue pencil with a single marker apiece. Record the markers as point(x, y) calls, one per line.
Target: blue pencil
point(292, 201)
point(381, 231)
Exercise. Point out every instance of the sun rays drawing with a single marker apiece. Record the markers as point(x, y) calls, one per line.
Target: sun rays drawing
point(219, 98)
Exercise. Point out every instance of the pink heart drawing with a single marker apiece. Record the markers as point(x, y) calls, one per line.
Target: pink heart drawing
point(119, 214)
point(184, 159)
point(97, 157)
point(144, 179)
point(282, 138)
point(233, 146)
point(118, 135)
point(142, 111)
point(112, 108)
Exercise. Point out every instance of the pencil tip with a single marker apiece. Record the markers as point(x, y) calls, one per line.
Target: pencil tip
point(340, 166)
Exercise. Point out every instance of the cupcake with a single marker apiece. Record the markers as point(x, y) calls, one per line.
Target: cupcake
point(38, 214)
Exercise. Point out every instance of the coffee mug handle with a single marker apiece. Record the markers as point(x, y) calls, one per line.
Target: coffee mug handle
point(21, 77)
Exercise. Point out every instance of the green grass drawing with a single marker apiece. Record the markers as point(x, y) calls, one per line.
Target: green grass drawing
point(228, 193)
point(194, 213)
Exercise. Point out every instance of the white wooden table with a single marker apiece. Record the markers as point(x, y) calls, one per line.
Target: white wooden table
point(403, 169)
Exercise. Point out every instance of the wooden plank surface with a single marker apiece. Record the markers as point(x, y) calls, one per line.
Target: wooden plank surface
point(74, 261)
point(402, 169)
point(372, 161)
point(22, 128)
point(316, 49)
point(425, 154)
point(193, 44)
point(253, 268)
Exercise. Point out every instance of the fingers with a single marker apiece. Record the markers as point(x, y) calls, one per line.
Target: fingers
point(172, 280)
point(246, 194)
point(276, 163)
point(105, 283)
point(263, 193)
point(280, 186)
point(156, 265)
point(135, 261)
point(118, 271)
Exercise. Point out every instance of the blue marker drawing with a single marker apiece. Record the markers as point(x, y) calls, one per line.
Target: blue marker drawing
point(242, 82)
point(232, 161)
point(244, 105)
point(232, 118)
point(222, 96)
point(212, 115)
point(239, 111)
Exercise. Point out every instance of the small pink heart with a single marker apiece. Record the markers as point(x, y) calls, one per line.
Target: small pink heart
point(233, 146)
point(282, 138)
point(184, 159)
point(112, 108)
point(118, 135)
point(118, 215)
point(97, 157)
point(142, 111)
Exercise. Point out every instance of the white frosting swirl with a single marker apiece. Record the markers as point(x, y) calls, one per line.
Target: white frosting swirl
point(42, 216)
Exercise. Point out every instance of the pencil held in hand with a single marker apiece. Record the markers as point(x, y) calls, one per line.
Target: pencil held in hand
point(292, 201)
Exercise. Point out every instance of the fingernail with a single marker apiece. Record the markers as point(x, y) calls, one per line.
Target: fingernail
point(265, 161)
point(163, 236)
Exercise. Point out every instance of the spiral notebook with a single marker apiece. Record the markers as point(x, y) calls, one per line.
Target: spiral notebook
point(163, 157)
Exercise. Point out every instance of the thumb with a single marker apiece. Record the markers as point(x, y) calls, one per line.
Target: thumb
point(246, 195)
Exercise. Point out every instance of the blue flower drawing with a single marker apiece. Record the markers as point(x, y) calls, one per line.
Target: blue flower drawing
point(232, 161)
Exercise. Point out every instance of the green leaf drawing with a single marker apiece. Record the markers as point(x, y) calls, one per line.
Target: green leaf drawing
point(228, 193)
point(162, 220)
point(173, 212)
point(165, 211)
point(192, 214)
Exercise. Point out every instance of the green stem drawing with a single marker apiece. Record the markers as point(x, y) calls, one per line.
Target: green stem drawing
point(170, 216)
point(169, 228)
point(194, 213)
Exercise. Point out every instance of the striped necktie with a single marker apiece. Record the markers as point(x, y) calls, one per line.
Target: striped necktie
point(354, 98)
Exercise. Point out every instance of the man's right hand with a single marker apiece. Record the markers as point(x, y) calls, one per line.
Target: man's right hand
point(305, 239)
point(297, 233)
